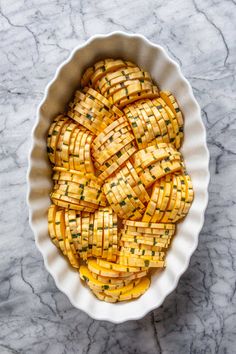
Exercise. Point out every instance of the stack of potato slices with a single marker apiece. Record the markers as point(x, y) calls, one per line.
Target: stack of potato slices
point(171, 199)
point(112, 147)
point(154, 121)
point(113, 282)
point(120, 81)
point(144, 244)
point(93, 110)
point(68, 145)
point(81, 235)
point(122, 197)
point(95, 73)
point(120, 183)
point(79, 190)
point(156, 161)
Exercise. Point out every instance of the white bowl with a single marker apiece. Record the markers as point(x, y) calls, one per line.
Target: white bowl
point(168, 76)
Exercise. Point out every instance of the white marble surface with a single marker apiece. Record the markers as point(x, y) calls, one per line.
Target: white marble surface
point(200, 316)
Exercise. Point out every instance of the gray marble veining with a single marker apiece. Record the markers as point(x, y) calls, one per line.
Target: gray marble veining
point(200, 316)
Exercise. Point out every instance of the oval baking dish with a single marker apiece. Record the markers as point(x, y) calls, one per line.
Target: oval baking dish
point(166, 73)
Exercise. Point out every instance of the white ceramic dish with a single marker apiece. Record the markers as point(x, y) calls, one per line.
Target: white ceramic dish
point(168, 76)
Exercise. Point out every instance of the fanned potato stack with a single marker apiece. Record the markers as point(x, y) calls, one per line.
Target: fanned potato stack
point(120, 184)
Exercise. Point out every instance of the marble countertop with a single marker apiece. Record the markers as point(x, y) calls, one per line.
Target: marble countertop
point(200, 316)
